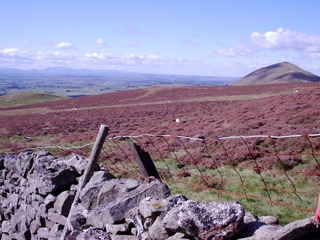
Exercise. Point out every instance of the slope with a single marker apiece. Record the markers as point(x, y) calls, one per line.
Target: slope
point(278, 73)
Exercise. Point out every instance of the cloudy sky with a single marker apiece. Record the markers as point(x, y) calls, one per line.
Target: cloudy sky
point(203, 37)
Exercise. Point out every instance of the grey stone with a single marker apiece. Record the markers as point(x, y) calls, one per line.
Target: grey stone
point(249, 217)
point(113, 189)
point(157, 231)
point(20, 223)
point(55, 232)
point(123, 237)
point(151, 207)
point(56, 182)
point(43, 232)
point(100, 177)
point(133, 217)
point(57, 218)
point(117, 229)
point(6, 237)
point(35, 225)
point(95, 234)
point(6, 226)
point(114, 211)
point(24, 163)
point(49, 201)
point(298, 230)
point(264, 232)
point(268, 220)
point(9, 162)
point(48, 223)
point(177, 199)
point(77, 221)
point(77, 163)
point(63, 202)
point(177, 236)
point(31, 211)
point(206, 220)
point(251, 225)
point(89, 194)
point(42, 153)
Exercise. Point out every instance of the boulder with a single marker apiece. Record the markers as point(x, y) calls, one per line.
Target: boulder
point(205, 220)
point(89, 194)
point(56, 180)
point(113, 209)
point(298, 230)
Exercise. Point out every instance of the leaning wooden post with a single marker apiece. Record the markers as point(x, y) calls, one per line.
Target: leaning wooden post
point(143, 160)
point(97, 147)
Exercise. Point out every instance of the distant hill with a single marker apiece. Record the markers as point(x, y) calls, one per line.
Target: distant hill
point(26, 98)
point(78, 82)
point(278, 73)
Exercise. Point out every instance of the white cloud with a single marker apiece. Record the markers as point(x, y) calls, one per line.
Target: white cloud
point(286, 39)
point(65, 45)
point(98, 55)
point(100, 41)
point(11, 52)
point(281, 39)
point(154, 57)
point(239, 50)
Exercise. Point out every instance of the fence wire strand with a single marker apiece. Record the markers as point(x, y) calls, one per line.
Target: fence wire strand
point(266, 168)
point(203, 164)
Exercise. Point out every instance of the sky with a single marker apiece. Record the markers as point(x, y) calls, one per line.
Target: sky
point(227, 38)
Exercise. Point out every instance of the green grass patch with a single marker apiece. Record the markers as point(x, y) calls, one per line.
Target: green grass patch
point(289, 197)
point(26, 98)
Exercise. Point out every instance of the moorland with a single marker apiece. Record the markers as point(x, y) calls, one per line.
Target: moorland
point(213, 111)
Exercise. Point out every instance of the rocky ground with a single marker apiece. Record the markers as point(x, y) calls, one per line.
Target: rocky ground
point(37, 190)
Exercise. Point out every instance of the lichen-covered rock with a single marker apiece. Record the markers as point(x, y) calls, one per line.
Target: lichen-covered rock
point(151, 207)
point(89, 194)
point(113, 210)
point(205, 220)
point(95, 234)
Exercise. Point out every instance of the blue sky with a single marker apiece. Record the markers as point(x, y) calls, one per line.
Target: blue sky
point(203, 37)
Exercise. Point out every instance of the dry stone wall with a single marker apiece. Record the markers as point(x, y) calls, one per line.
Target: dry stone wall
point(37, 190)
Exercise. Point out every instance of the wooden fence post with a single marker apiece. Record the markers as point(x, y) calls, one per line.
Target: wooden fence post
point(143, 160)
point(97, 147)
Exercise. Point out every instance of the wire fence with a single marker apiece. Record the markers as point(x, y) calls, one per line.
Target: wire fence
point(275, 170)
point(259, 170)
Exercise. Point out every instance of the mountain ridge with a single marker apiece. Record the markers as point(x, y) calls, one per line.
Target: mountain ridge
point(283, 72)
